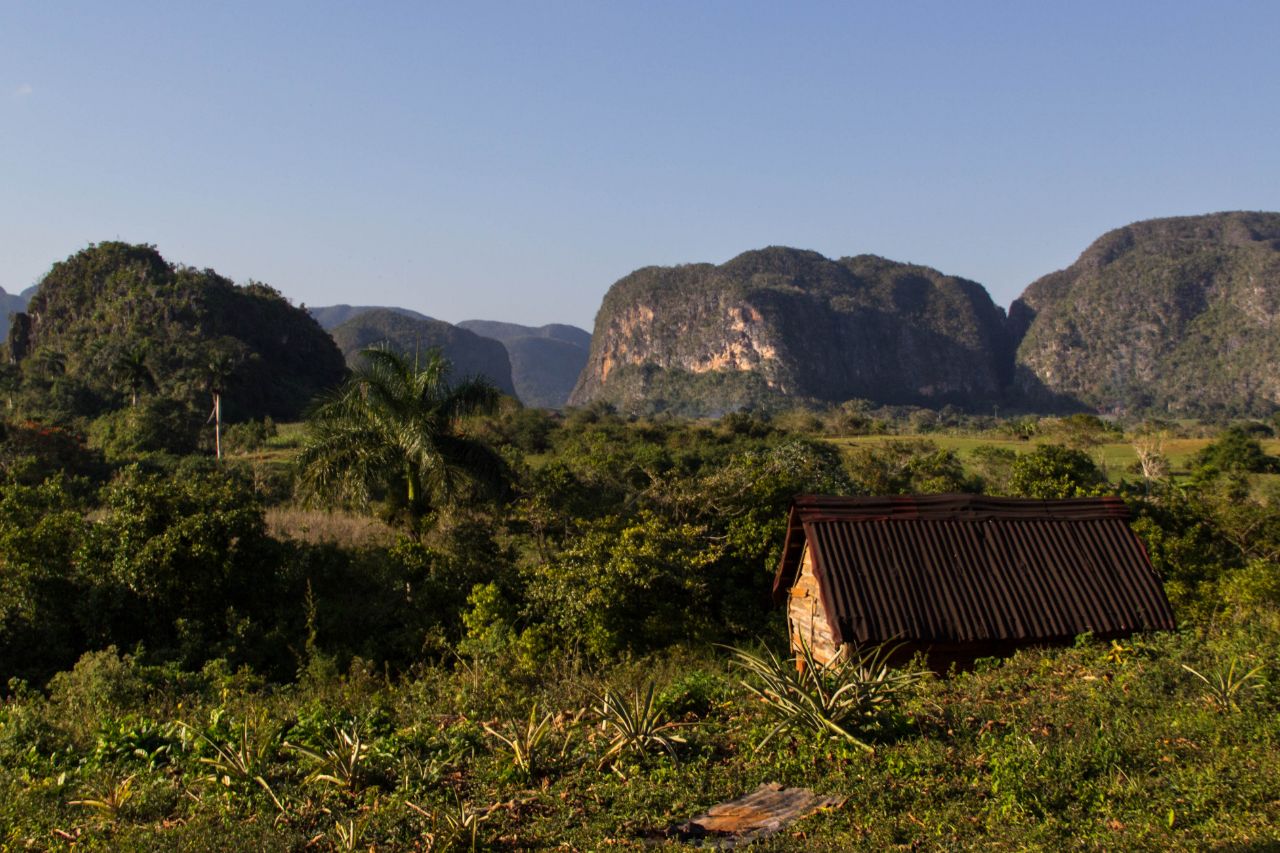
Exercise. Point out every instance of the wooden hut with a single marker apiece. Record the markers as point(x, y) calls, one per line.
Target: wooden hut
point(963, 576)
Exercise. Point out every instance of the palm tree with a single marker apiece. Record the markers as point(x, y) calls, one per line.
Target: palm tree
point(393, 431)
point(131, 368)
point(218, 371)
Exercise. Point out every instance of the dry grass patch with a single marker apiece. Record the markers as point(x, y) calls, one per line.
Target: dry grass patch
point(321, 526)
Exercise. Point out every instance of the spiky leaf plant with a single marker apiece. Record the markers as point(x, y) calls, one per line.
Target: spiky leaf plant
point(635, 723)
point(844, 698)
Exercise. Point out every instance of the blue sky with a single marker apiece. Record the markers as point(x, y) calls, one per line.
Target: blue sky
point(511, 161)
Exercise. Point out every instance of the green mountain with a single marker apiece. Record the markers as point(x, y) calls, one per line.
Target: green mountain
point(545, 360)
point(1180, 315)
point(471, 354)
point(113, 301)
point(784, 324)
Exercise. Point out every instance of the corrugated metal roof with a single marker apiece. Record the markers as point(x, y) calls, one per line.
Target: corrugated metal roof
point(974, 569)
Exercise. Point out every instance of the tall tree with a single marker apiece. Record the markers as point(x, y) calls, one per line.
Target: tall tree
point(393, 432)
point(219, 369)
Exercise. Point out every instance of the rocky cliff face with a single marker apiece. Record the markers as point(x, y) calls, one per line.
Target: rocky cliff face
point(470, 354)
point(1179, 314)
point(784, 323)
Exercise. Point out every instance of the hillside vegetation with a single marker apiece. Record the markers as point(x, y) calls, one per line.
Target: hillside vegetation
point(1180, 315)
point(116, 320)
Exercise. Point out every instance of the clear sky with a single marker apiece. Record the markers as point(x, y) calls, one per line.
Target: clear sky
point(511, 161)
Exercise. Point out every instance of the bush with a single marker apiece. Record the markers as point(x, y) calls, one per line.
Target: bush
point(155, 425)
point(1254, 587)
point(1051, 471)
point(629, 584)
point(40, 530)
point(248, 436)
point(177, 563)
point(902, 467)
point(32, 452)
point(1235, 452)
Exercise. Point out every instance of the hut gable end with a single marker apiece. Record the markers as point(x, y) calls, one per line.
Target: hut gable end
point(807, 619)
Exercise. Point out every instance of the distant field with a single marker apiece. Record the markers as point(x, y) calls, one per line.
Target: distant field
point(1115, 458)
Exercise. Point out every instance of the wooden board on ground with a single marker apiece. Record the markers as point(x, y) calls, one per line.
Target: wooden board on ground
point(762, 812)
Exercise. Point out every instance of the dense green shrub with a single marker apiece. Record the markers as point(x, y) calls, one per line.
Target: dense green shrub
point(901, 467)
point(41, 528)
point(1052, 471)
point(1236, 451)
point(155, 425)
point(176, 563)
point(636, 583)
point(249, 435)
point(31, 452)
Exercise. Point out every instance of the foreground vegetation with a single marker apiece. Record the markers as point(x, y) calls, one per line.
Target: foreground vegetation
point(1098, 746)
point(465, 626)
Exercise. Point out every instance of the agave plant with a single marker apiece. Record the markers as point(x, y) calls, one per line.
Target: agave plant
point(112, 801)
point(242, 759)
point(843, 698)
point(341, 763)
point(451, 829)
point(346, 836)
point(524, 738)
point(1224, 684)
point(635, 723)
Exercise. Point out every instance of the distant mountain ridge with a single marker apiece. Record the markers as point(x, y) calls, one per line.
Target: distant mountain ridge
point(512, 331)
point(1175, 315)
point(331, 316)
point(10, 304)
point(545, 360)
point(1179, 315)
point(471, 354)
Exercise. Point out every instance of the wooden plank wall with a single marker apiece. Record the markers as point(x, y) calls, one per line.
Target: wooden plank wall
point(806, 618)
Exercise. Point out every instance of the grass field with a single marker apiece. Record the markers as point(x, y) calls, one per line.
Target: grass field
point(1115, 458)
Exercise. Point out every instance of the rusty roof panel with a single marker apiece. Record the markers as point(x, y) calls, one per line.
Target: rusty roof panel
point(974, 569)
